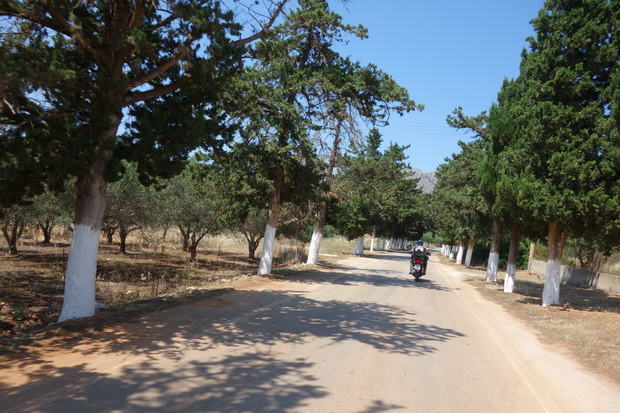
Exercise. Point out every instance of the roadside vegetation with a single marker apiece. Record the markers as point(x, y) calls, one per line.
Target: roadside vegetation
point(142, 132)
point(150, 274)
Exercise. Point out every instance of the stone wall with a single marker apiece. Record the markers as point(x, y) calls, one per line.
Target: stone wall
point(579, 277)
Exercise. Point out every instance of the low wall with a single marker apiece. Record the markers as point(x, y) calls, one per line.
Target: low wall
point(578, 277)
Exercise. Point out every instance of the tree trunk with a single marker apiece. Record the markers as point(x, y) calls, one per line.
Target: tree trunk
point(317, 235)
point(511, 268)
point(184, 237)
point(79, 296)
point(123, 236)
point(109, 234)
point(459, 254)
point(321, 218)
point(46, 228)
point(358, 249)
point(494, 253)
point(531, 257)
point(253, 241)
point(13, 229)
point(193, 251)
point(551, 291)
point(470, 253)
point(372, 238)
point(269, 240)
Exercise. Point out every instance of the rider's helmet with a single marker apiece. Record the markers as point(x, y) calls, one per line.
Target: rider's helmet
point(420, 242)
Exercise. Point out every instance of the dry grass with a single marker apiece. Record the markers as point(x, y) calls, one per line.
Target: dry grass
point(586, 326)
point(153, 274)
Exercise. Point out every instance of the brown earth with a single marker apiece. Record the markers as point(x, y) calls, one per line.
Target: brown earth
point(586, 326)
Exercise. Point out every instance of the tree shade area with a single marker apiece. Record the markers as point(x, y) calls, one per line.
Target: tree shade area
point(208, 117)
point(102, 101)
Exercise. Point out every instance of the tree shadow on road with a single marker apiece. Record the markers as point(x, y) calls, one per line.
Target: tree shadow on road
point(243, 382)
point(263, 319)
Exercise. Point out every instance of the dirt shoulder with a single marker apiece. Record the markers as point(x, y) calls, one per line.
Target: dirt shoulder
point(585, 327)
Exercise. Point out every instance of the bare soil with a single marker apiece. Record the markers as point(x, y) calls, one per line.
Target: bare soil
point(586, 326)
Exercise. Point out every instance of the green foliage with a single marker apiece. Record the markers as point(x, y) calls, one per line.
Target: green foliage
point(373, 190)
point(131, 205)
point(562, 163)
point(197, 202)
point(68, 71)
point(460, 212)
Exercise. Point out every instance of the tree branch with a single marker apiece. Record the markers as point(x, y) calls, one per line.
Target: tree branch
point(134, 97)
point(265, 28)
point(161, 69)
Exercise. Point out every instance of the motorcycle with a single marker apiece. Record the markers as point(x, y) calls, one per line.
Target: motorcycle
point(416, 264)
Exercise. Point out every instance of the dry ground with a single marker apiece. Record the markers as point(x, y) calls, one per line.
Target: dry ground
point(587, 326)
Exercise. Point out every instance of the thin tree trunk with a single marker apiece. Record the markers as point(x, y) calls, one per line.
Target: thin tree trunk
point(109, 233)
point(511, 268)
point(494, 253)
point(253, 241)
point(372, 238)
point(13, 230)
point(184, 237)
point(123, 236)
point(317, 235)
point(531, 257)
point(269, 240)
point(46, 228)
point(193, 251)
point(470, 253)
point(551, 290)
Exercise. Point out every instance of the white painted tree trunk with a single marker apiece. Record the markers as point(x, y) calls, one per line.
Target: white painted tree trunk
point(494, 253)
point(470, 252)
point(266, 258)
point(453, 253)
point(460, 253)
point(79, 296)
point(269, 240)
point(372, 239)
point(531, 256)
point(315, 246)
point(492, 266)
point(551, 291)
point(511, 268)
point(358, 249)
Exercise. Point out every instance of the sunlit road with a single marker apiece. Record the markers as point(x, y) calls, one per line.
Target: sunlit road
point(364, 338)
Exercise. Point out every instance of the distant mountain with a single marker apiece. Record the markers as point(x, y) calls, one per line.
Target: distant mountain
point(427, 180)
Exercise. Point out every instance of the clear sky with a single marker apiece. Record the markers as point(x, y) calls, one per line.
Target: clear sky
point(447, 53)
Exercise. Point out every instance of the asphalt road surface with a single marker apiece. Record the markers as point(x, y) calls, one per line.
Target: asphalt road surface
point(362, 338)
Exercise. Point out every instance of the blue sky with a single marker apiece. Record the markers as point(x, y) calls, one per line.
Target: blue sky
point(447, 54)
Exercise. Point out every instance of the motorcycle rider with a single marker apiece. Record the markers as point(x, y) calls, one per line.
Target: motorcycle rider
point(425, 251)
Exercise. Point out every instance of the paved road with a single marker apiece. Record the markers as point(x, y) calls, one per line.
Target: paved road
point(364, 338)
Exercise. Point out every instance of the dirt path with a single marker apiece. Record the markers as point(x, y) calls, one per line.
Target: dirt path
point(363, 338)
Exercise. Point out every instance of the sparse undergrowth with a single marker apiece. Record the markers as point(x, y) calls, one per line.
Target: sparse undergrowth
point(146, 279)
